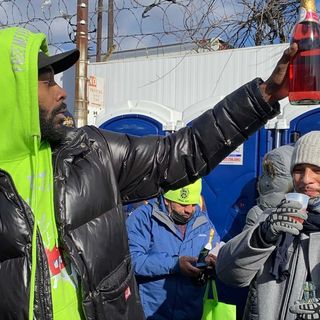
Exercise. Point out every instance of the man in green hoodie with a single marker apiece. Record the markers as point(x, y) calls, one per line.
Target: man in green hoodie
point(64, 249)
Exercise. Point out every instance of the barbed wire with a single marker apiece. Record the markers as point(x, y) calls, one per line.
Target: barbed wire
point(136, 23)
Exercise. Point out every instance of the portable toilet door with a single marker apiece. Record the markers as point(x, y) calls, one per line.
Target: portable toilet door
point(134, 124)
point(230, 189)
point(304, 123)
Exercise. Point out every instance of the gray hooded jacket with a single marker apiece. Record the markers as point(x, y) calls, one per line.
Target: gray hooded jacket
point(274, 182)
point(242, 262)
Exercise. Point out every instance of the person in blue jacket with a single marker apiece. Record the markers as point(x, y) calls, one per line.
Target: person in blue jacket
point(165, 239)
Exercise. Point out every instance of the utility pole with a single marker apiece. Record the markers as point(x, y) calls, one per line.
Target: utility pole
point(99, 30)
point(81, 101)
point(110, 25)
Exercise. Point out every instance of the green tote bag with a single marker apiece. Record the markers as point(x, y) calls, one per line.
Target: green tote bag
point(215, 310)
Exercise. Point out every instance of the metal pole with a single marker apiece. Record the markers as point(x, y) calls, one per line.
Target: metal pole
point(81, 101)
point(110, 25)
point(99, 30)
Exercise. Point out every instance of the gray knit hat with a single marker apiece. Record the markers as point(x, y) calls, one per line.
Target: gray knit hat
point(307, 150)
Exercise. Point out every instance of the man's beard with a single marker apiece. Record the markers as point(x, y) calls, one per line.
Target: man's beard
point(50, 131)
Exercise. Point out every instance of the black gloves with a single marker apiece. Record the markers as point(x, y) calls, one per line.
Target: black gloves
point(310, 311)
point(287, 217)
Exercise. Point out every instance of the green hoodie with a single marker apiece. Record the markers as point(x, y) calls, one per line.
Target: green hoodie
point(28, 160)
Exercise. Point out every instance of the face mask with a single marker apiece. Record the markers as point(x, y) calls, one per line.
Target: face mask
point(178, 218)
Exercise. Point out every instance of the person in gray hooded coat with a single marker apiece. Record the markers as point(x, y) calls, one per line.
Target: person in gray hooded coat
point(279, 254)
point(274, 182)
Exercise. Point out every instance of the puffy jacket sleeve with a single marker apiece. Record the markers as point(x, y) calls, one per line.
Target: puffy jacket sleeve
point(145, 261)
point(239, 261)
point(147, 166)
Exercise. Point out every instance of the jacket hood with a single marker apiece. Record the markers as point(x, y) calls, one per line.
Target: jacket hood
point(275, 180)
point(20, 153)
point(19, 91)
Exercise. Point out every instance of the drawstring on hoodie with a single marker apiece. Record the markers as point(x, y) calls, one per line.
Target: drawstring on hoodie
point(34, 202)
point(34, 206)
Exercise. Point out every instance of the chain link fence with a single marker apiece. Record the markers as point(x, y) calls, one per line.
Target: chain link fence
point(154, 23)
point(54, 18)
point(136, 23)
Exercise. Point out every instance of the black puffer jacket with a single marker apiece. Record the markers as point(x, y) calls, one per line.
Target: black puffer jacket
point(94, 172)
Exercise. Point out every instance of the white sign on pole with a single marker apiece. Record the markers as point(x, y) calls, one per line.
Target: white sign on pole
point(95, 97)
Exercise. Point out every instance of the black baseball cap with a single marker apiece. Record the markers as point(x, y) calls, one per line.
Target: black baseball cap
point(59, 62)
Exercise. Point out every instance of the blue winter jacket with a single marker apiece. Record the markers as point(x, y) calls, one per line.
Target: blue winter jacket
point(155, 245)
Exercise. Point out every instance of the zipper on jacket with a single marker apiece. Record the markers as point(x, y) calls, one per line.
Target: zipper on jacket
point(288, 288)
point(42, 283)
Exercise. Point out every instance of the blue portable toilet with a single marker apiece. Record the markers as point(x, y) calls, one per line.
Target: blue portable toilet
point(135, 124)
point(139, 118)
point(306, 122)
point(230, 189)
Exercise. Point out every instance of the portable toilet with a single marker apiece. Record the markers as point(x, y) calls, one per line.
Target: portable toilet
point(299, 120)
point(229, 190)
point(140, 118)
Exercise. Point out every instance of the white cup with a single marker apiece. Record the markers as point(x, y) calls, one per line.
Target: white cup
point(301, 198)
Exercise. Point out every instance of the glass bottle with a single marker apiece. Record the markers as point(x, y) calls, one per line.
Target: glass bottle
point(205, 250)
point(309, 293)
point(304, 69)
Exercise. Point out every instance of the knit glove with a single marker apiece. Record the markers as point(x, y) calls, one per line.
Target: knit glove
point(287, 217)
point(307, 310)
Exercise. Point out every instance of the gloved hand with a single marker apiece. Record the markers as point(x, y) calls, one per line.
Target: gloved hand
point(307, 310)
point(287, 217)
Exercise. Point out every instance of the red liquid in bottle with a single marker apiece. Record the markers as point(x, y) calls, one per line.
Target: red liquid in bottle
point(304, 71)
